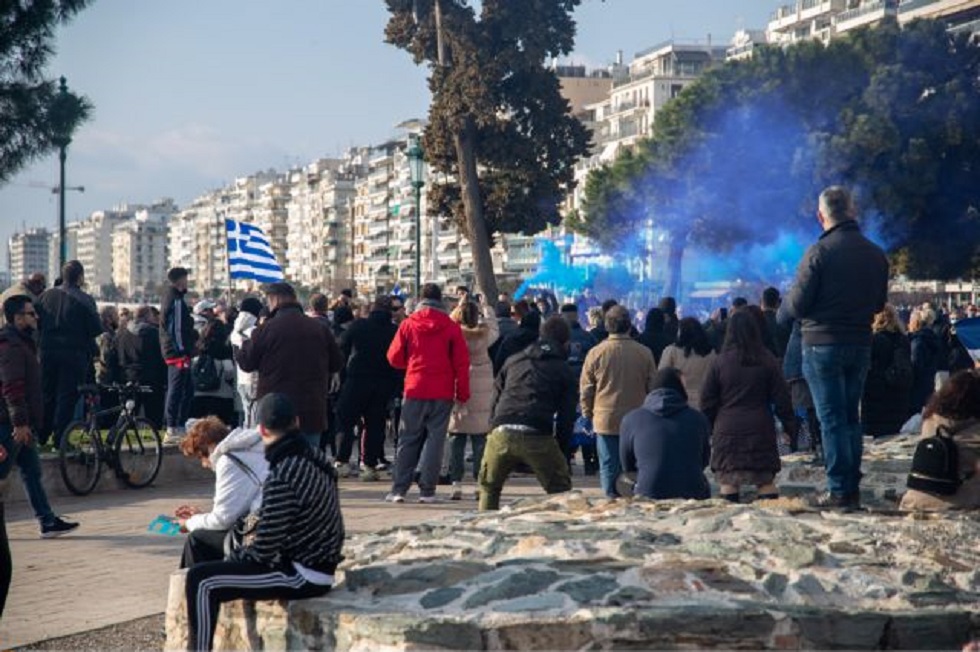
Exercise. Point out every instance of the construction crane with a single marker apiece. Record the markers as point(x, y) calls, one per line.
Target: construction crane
point(54, 189)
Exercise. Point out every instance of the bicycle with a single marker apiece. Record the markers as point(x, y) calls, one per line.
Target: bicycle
point(132, 447)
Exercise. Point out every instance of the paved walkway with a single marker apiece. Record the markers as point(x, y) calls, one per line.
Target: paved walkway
point(113, 570)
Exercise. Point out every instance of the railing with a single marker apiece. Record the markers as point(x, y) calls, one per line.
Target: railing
point(869, 8)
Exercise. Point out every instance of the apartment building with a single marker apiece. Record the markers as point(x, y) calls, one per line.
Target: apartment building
point(960, 15)
point(139, 251)
point(95, 244)
point(28, 252)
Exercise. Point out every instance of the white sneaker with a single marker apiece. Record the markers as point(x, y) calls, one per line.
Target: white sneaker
point(457, 491)
point(394, 498)
point(428, 500)
point(174, 436)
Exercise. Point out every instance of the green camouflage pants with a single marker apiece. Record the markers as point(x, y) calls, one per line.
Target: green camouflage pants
point(507, 448)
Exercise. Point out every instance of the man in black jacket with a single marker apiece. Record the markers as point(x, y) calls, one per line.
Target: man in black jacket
point(177, 344)
point(523, 336)
point(534, 401)
point(841, 283)
point(69, 324)
point(298, 540)
point(368, 387)
point(142, 362)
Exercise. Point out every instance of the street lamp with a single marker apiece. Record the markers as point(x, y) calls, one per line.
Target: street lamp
point(416, 162)
point(62, 138)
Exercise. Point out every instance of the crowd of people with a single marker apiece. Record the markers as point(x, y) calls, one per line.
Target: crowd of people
point(281, 399)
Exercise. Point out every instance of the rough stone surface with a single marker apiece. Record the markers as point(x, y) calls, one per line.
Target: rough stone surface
point(569, 572)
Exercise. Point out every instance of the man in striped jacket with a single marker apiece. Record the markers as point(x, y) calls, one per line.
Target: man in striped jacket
point(299, 537)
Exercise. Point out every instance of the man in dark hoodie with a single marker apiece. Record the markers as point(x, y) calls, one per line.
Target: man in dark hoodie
point(666, 443)
point(534, 401)
point(69, 323)
point(525, 335)
point(178, 341)
point(430, 347)
point(654, 335)
point(369, 385)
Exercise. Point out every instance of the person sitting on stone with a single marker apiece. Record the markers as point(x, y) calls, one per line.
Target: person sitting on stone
point(533, 387)
point(240, 468)
point(955, 407)
point(665, 443)
point(297, 543)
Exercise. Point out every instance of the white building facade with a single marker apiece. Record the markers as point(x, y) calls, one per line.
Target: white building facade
point(139, 246)
point(29, 252)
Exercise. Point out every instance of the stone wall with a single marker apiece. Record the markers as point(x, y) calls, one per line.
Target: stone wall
point(568, 572)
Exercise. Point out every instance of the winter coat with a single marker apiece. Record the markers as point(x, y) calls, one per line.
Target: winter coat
point(793, 358)
point(616, 378)
point(693, 367)
point(505, 326)
point(776, 335)
point(473, 417)
point(523, 336)
point(365, 346)
point(107, 370)
point(666, 443)
point(177, 335)
point(67, 321)
point(579, 345)
point(236, 492)
point(140, 359)
point(242, 330)
point(966, 435)
point(926, 351)
point(294, 355)
point(737, 399)
point(656, 340)
point(20, 380)
point(841, 283)
point(214, 339)
point(884, 406)
point(537, 389)
point(430, 347)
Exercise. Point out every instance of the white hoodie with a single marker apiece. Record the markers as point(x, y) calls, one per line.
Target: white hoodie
point(244, 325)
point(235, 491)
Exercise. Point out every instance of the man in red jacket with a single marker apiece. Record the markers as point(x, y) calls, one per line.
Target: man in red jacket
point(430, 347)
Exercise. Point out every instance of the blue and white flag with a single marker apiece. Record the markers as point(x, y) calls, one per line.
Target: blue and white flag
point(968, 333)
point(250, 254)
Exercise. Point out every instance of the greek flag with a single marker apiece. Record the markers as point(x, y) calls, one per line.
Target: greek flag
point(249, 253)
point(968, 332)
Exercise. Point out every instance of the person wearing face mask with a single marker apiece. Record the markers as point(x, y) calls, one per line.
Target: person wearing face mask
point(21, 410)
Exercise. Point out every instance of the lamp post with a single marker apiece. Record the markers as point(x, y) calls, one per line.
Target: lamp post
point(416, 163)
point(62, 138)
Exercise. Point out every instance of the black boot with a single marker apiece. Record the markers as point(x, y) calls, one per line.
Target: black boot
point(732, 498)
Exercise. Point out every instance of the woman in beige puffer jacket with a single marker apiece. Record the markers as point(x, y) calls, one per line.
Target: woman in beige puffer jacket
point(471, 420)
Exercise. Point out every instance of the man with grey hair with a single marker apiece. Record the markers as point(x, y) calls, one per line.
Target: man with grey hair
point(840, 284)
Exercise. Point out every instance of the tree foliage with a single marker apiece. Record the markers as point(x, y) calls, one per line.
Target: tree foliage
point(496, 90)
point(742, 153)
point(34, 116)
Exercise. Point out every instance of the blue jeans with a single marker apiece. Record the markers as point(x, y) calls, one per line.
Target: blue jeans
point(836, 374)
point(180, 395)
point(29, 462)
point(457, 457)
point(609, 465)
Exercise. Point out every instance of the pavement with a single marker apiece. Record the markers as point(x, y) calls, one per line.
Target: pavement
point(112, 570)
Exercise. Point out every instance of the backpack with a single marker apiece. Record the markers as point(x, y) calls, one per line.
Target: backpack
point(205, 374)
point(935, 465)
point(899, 371)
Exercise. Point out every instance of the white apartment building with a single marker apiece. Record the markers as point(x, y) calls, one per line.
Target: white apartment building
point(960, 15)
point(197, 240)
point(319, 222)
point(139, 251)
point(804, 20)
point(29, 252)
point(95, 244)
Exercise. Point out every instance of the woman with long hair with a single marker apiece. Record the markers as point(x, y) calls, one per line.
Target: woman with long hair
point(741, 385)
point(956, 409)
point(885, 403)
point(471, 420)
point(691, 355)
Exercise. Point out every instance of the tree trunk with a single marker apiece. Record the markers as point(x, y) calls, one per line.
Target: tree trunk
point(675, 257)
point(476, 226)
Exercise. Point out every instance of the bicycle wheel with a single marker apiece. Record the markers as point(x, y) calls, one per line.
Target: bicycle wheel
point(80, 458)
point(138, 453)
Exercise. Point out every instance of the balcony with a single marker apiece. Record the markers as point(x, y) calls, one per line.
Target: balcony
point(867, 14)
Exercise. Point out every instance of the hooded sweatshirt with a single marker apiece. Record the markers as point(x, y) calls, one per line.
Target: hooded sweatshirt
point(666, 443)
point(242, 330)
point(236, 492)
point(430, 347)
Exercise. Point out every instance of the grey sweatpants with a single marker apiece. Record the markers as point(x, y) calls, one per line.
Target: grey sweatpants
point(421, 432)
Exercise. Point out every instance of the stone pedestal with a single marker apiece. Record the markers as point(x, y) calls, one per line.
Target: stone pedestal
point(568, 572)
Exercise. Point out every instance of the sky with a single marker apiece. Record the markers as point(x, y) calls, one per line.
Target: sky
point(189, 95)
